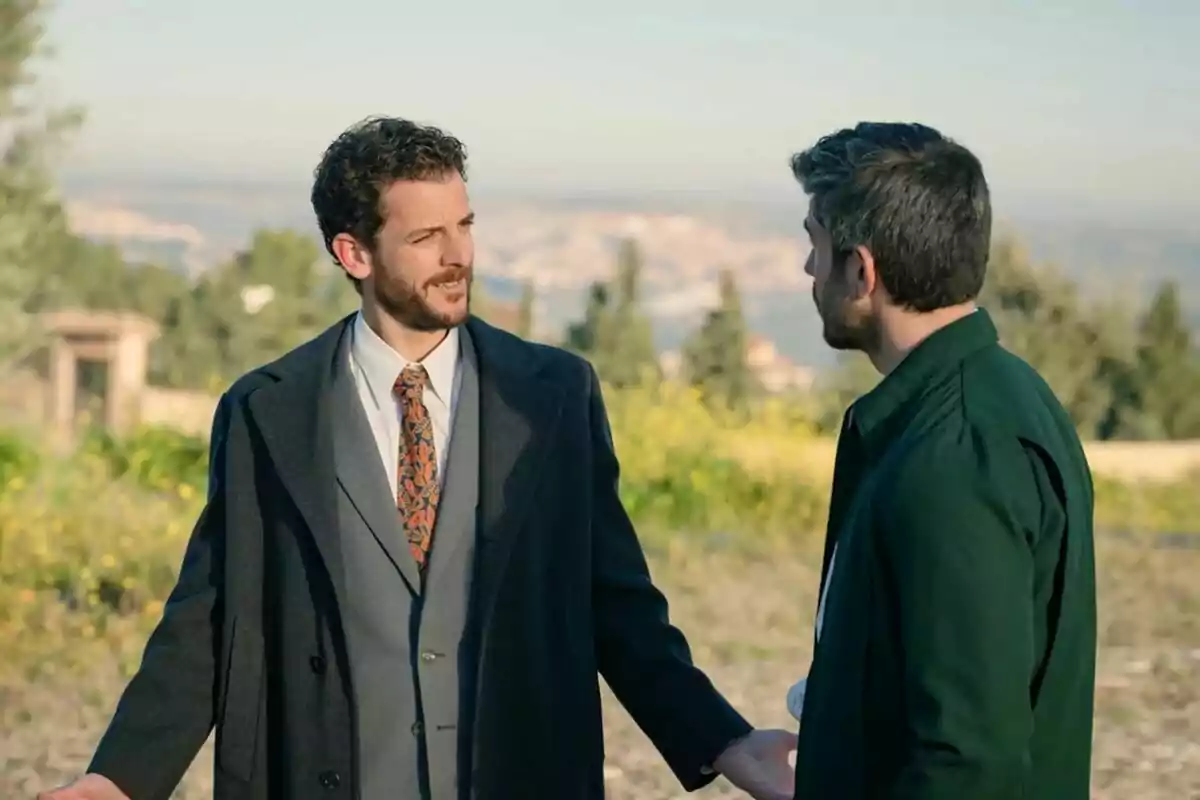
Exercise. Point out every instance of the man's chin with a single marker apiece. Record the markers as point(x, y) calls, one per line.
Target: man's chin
point(841, 341)
point(453, 316)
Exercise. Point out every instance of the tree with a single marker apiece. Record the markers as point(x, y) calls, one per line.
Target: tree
point(33, 226)
point(614, 334)
point(714, 357)
point(252, 309)
point(1164, 380)
point(632, 357)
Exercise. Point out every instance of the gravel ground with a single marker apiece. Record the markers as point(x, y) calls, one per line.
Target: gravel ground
point(748, 623)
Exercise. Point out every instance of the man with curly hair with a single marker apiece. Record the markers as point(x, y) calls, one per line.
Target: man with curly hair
point(413, 563)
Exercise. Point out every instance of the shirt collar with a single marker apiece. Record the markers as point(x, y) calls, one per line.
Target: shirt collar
point(939, 353)
point(381, 365)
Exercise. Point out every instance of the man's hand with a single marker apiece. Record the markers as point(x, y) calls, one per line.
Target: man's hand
point(759, 765)
point(89, 787)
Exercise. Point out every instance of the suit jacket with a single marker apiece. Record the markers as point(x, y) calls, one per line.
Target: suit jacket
point(251, 639)
point(957, 658)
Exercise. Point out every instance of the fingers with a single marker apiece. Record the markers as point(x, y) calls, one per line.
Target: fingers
point(89, 787)
point(783, 738)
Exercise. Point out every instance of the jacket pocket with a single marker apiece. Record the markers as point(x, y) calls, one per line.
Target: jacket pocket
point(237, 726)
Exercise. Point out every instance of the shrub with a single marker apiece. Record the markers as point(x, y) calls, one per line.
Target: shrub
point(90, 545)
point(158, 458)
point(19, 460)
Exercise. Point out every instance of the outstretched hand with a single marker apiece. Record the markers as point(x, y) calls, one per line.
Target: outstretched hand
point(760, 764)
point(89, 787)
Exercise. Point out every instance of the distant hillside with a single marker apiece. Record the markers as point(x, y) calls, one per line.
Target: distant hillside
point(563, 244)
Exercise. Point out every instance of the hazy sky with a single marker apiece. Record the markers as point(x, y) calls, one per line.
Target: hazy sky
point(1081, 106)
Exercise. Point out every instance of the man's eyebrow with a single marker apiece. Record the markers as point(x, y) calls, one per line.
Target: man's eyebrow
point(467, 220)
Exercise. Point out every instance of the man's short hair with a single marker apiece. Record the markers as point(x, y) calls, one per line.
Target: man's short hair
point(916, 199)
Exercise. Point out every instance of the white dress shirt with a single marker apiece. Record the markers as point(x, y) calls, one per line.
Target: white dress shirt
point(375, 367)
point(795, 695)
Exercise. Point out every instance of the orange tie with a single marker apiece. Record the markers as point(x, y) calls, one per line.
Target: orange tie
point(417, 490)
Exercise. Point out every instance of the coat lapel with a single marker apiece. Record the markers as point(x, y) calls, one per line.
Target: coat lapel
point(293, 416)
point(458, 507)
point(518, 416)
point(361, 476)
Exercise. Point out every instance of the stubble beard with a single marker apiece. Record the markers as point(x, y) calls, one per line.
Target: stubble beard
point(841, 327)
point(405, 303)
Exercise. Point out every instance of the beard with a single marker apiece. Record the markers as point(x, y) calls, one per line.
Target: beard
point(845, 326)
point(406, 303)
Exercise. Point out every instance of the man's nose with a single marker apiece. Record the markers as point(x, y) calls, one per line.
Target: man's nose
point(459, 250)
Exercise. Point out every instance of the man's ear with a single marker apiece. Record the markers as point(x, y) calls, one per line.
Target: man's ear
point(860, 271)
point(353, 257)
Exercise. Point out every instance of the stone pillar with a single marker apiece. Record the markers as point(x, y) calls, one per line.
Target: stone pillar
point(61, 393)
point(126, 379)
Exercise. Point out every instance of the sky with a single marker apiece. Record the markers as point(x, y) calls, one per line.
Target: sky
point(1081, 107)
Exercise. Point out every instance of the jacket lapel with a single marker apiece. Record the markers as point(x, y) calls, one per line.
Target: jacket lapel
point(293, 416)
point(361, 475)
point(518, 417)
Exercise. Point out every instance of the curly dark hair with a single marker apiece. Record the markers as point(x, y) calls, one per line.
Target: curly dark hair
point(916, 199)
point(368, 157)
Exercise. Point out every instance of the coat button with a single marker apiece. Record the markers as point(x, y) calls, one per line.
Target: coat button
point(318, 665)
point(330, 779)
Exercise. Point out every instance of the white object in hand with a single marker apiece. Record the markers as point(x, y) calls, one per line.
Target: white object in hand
point(795, 695)
point(795, 698)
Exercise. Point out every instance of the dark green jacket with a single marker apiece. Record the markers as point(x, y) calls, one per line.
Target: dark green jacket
point(957, 658)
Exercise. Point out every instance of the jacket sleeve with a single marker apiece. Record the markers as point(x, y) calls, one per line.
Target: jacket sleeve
point(956, 543)
point(645, 659)
point(166, 712)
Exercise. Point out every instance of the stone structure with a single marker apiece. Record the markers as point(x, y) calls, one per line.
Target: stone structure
point(121, 341)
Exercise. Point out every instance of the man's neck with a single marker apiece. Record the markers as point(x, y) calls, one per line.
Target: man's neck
point(902, 331)
point(413, 345)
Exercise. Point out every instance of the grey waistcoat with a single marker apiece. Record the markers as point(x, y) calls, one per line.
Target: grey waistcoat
point(410, 658)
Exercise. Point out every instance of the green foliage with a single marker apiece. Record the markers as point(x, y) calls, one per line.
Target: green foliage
point(1150, 506)
point(19, 460)
point(614, 335)
point(264, 301)
point(715, 356)
point(160, 459)
point(1162, 393)
point(90, 545)
point(32, 222)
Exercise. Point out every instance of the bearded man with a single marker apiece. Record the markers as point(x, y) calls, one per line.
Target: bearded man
point(956, 631)
point(413, 565)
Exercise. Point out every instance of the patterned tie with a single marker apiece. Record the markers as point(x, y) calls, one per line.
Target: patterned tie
point(417, 490)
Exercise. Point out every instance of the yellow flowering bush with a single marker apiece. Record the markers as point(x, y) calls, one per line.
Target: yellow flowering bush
point(90, 545)
point(687, 468)
point(84, 557)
